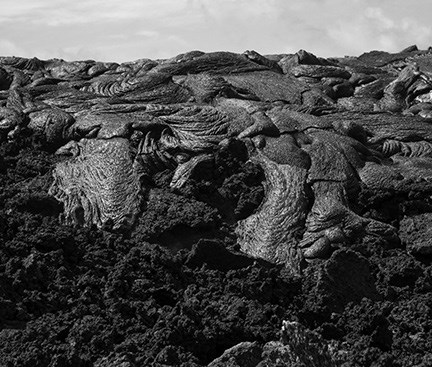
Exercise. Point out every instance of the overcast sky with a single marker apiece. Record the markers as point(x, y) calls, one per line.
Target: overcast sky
point(122, 30)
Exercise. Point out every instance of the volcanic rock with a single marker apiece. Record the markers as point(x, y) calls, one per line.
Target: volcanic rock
point(175, 212)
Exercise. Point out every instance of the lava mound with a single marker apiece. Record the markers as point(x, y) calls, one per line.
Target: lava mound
point(217, 209)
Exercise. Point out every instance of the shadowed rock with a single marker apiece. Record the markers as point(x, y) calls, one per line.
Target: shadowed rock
point(297, 347)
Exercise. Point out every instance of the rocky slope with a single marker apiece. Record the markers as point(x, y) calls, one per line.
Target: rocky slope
point(217, 209)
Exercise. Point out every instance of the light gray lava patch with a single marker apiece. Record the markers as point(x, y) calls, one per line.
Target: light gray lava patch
point(98, 186)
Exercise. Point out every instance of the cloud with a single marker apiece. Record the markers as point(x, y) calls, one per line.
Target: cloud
point(16, 10)
point(66, 12)
point(147, 33)
point(379, 29)
point(132, 29)
point(423, 33)
point(377, 15)
point(9, 48)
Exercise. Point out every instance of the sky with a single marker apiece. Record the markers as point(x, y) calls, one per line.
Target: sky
point(126, 30)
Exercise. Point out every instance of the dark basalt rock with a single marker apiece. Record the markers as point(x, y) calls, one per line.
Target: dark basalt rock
point(178, 212)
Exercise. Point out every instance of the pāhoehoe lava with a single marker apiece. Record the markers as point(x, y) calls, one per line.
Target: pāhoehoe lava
point(318, 129)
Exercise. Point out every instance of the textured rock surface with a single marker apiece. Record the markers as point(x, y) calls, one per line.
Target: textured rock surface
point(99, 184)
point(175, 212)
